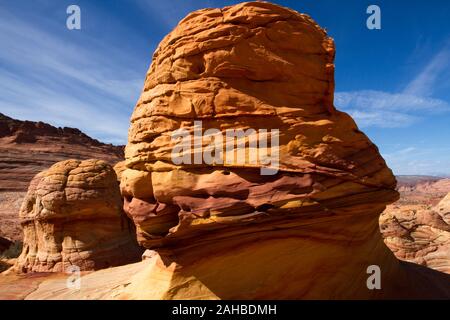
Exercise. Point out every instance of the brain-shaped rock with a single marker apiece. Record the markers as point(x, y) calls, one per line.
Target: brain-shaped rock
point(72, 215)
point(420, 235)
point(250, 66)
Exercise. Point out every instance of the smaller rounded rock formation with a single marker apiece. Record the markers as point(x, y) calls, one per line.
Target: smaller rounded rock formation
point(72, 215)
point(419, 235)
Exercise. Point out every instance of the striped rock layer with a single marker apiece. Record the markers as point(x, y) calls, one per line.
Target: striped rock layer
point(259, 66)
point(224, 230)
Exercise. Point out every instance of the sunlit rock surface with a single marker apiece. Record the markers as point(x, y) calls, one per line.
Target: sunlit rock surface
point(72, 216)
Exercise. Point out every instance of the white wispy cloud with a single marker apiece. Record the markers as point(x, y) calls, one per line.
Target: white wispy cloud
point(382, 109)
point(420, 159)
point(371, 108)
point(385, 101)
point(381, 119)
point(425, 81)
point(404, 152)
point(33, 101)
point(89, 85)
point(171, 12)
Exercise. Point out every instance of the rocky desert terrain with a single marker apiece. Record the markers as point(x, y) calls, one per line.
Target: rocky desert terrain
point(417, 227)
point(27, 148)
point(222, 230)
point(424, 190)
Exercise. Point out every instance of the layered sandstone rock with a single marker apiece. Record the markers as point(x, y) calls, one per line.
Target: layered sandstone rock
point(27, 148)
point(420, 235)
point(210, 69)
point(224, 230)
point(119, 167)
point(72, 215)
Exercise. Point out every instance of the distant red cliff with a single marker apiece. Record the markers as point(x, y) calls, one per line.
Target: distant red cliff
point(27, 148)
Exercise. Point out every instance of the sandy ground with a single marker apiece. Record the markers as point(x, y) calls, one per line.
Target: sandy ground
point(103, 284)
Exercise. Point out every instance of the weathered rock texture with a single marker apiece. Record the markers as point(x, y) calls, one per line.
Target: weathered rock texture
point(119, 167)
point(443, 209)
point(4, 244)
point(72, 215)
point(226, 231)
point(259, 66)
point(27, 148)
point(420, 235)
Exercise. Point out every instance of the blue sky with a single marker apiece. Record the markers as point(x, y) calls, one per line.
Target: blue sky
point(395, 81)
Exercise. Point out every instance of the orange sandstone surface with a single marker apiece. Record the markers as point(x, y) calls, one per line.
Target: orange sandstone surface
point(224, 231)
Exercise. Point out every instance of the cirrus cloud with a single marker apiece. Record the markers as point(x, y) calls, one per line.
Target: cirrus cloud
point(387, 110)
point(371, 108)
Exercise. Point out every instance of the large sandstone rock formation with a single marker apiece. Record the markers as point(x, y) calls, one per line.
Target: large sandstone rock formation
point(420, 235)
point(225, 230)
point(259, 66)
point(27, 148)
point(72, 215)
point(119, 167)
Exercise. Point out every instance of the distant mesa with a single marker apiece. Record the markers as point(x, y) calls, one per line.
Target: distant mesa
point(413, 180)
point(34, 146)
point(27, 148)
point(422, 183)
